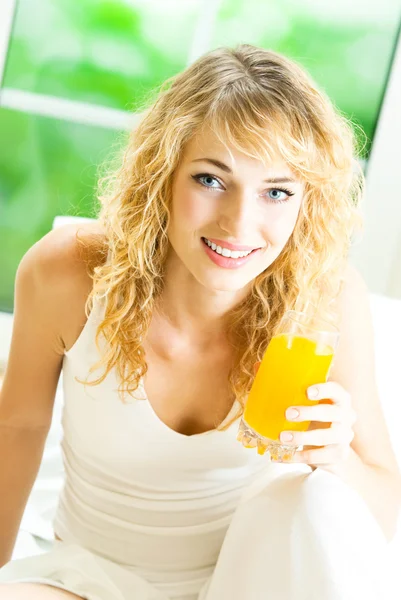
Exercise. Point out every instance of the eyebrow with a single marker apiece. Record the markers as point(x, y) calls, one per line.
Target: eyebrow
point(227, 169)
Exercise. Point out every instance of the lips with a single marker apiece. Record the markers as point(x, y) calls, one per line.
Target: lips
point(207, 243)
point(228, 262)
point(229, 246)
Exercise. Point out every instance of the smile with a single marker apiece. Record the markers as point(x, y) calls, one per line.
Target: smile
point(226, 258)
point(226, 251)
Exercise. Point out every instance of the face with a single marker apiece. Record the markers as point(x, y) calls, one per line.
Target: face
point(231, 202)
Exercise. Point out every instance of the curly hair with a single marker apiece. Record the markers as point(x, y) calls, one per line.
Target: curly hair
point(266, 106)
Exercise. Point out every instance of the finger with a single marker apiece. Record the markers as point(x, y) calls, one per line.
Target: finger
point(325, 413)
point(331, 390)
point(322, 456)
point(336, 434)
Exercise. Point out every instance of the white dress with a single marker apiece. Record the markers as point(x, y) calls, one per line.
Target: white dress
point(146, 513)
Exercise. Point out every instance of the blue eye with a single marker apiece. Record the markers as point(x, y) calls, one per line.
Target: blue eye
point(198, 178)
point(280, 191)
point(274, 199)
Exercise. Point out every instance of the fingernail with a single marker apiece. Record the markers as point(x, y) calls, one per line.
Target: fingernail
point(313, 392)
point(286, 437)
point(292, 413)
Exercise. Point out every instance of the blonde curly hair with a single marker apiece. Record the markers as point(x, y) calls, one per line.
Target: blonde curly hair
point(266, 106)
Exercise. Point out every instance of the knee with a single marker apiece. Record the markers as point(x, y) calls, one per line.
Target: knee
point(330, 505)
point(327, 492)
point(310, 496)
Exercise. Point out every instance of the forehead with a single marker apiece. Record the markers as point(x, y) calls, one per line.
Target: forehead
point(206, 144)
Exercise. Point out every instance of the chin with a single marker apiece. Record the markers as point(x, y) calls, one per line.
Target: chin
point(229, 283)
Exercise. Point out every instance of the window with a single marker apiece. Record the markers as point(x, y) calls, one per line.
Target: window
point(70, 84)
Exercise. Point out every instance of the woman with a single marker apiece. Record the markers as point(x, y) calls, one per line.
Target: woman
point(157, 338)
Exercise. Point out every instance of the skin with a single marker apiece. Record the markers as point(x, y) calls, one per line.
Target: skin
point(196, 298)
point(198, 294)
point(237, 207)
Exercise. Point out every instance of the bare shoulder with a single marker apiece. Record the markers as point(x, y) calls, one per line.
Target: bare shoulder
point(353, 292)
point(354, 368)
point(353, 280)
point(68, 249)
point(354, 309)
point(51, 287)
point(61, 263)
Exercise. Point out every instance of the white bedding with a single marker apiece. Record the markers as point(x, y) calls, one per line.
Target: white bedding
point(36, 533)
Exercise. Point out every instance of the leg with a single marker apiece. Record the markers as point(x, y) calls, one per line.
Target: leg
point(34, 591)
point(304, 536)
point(89, 576)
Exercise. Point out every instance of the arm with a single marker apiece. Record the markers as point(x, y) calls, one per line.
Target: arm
point(371, 466)
point(30, 382)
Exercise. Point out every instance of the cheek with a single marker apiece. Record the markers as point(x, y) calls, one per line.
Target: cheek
point(191, 210)
point(281, 227)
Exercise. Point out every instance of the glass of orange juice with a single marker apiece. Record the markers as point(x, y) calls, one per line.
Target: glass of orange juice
point(299, 355)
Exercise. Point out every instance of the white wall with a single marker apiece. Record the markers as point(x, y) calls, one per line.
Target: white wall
point(7, 8)
point(5, 337)
point(378, 256)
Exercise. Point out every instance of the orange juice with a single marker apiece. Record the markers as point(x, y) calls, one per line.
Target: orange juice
point(289, 366)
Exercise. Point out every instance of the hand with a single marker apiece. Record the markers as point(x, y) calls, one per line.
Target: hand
point(328, 445)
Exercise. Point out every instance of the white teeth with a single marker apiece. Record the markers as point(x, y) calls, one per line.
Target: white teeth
point(226, 252)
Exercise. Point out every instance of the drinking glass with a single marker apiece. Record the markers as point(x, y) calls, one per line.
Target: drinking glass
point(299, 355)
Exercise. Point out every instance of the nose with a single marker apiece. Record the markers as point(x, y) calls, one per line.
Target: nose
point(238, 216)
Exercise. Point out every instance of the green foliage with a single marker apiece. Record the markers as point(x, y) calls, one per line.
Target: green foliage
point(114, 53)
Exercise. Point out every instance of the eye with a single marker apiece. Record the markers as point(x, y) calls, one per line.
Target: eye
point(205, 176)
point(278, 198)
